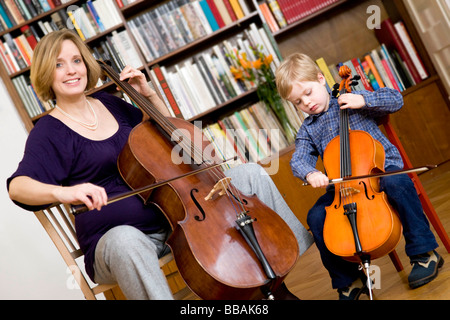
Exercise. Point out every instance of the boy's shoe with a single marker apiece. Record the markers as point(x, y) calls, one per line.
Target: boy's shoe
point(425, 268)
point(354, 291)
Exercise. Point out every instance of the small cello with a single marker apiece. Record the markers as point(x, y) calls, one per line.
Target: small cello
point(360, 224)
point(219, 251)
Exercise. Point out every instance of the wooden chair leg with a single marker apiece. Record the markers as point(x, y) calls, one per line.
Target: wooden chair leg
point(396, 260)
point(430, 212)
point(424, 199)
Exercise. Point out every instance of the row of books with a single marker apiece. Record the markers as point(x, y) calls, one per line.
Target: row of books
point(93, 17)
point(205, 80)
point(280, 13)
point(14, 12)
point(32, 103)
point(176, 23)
point(16, 53)
point(251, 134)
point(383, 66)
point(118, 49)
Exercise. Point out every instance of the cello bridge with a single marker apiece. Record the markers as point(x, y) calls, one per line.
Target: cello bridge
point(345, 192)
point(219, 188)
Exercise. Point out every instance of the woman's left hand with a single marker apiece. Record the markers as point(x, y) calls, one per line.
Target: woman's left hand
point(137, 80)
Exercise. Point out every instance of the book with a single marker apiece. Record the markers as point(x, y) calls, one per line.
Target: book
point(360, 71)
point(370, 76)
point(374, 70)
point(201, 16)
point(152, 36)
point(388, 34)
point(326, 72)
point(26, 13)
point(75, 25)
point(392, 67)
point(180, 96)
point(5, 18)
point(223, 11)
point(14, 11)
point(189, 11)
point(167, 91)
point(124, 45)
point(15, 51)
point(231, 140)
point(359, 86)
point(268, 17)
point(24, 47)
point(275, 8)
point(377, 61)
point(145, 50)
point(209, 82)
point(230, 10)
point(174, 86)
point(237, 9)
point(406, 39)
point(390, 75)
point(216, 13)
point(209, 15)
point(6, 59)
point(95, 15)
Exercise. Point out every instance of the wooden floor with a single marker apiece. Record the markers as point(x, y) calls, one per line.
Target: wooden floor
point(310, 281)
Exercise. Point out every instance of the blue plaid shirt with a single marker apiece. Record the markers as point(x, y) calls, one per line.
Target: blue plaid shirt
point(318, 130)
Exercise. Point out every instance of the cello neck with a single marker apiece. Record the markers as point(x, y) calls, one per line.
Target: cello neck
point(146, 106)
point(344, 127)
point(185, 142)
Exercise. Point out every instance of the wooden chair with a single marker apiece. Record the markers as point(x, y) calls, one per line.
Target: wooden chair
point(59, 225)
point(424, 199)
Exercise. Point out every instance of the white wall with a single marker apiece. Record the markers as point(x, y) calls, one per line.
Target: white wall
point(30, 265)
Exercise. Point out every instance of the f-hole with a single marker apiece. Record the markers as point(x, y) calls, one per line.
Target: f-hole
point(199, 207)
point(365, 191)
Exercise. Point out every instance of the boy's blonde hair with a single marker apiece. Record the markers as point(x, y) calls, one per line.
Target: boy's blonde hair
point(44, 62)
point(297, 67)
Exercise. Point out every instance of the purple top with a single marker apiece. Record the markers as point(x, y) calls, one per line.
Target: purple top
point(56, 154)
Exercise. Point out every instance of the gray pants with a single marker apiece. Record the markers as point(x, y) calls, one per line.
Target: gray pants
point(126, 256)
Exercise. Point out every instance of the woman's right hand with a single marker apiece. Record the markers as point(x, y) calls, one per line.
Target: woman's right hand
point(94, 197)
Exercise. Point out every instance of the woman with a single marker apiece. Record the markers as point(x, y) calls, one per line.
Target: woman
point(71, 157)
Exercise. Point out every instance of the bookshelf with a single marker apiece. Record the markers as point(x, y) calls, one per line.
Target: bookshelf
point(329, 32)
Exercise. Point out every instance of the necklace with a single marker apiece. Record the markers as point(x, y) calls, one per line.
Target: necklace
point(90, 126)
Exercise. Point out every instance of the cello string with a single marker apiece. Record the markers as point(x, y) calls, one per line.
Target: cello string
point(185, 143)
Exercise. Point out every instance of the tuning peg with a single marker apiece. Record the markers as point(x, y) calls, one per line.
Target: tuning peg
point(356, 77)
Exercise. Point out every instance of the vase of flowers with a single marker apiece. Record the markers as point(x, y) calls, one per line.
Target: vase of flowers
point(258, 73)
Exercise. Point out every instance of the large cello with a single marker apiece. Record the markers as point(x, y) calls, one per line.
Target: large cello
point(219, 249)
point(360, 225)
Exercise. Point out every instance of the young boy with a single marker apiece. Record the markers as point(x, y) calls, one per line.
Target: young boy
point(301, 82)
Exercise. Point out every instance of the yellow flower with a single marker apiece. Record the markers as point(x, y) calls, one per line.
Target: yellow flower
point(238, 74)
point(268, 60)
point(257, 64)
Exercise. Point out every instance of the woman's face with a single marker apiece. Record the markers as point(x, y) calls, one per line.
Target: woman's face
point(70, 77)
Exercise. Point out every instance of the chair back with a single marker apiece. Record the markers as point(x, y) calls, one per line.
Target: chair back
point(59, 224)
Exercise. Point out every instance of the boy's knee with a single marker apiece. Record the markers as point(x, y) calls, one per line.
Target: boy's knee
point(315, 220)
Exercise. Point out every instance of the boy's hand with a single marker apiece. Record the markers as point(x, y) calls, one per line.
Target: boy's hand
point(351, 101)
point(317, 179)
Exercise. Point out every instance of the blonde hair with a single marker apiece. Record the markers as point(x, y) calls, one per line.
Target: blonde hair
point(44, 62)
point(297, 67)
